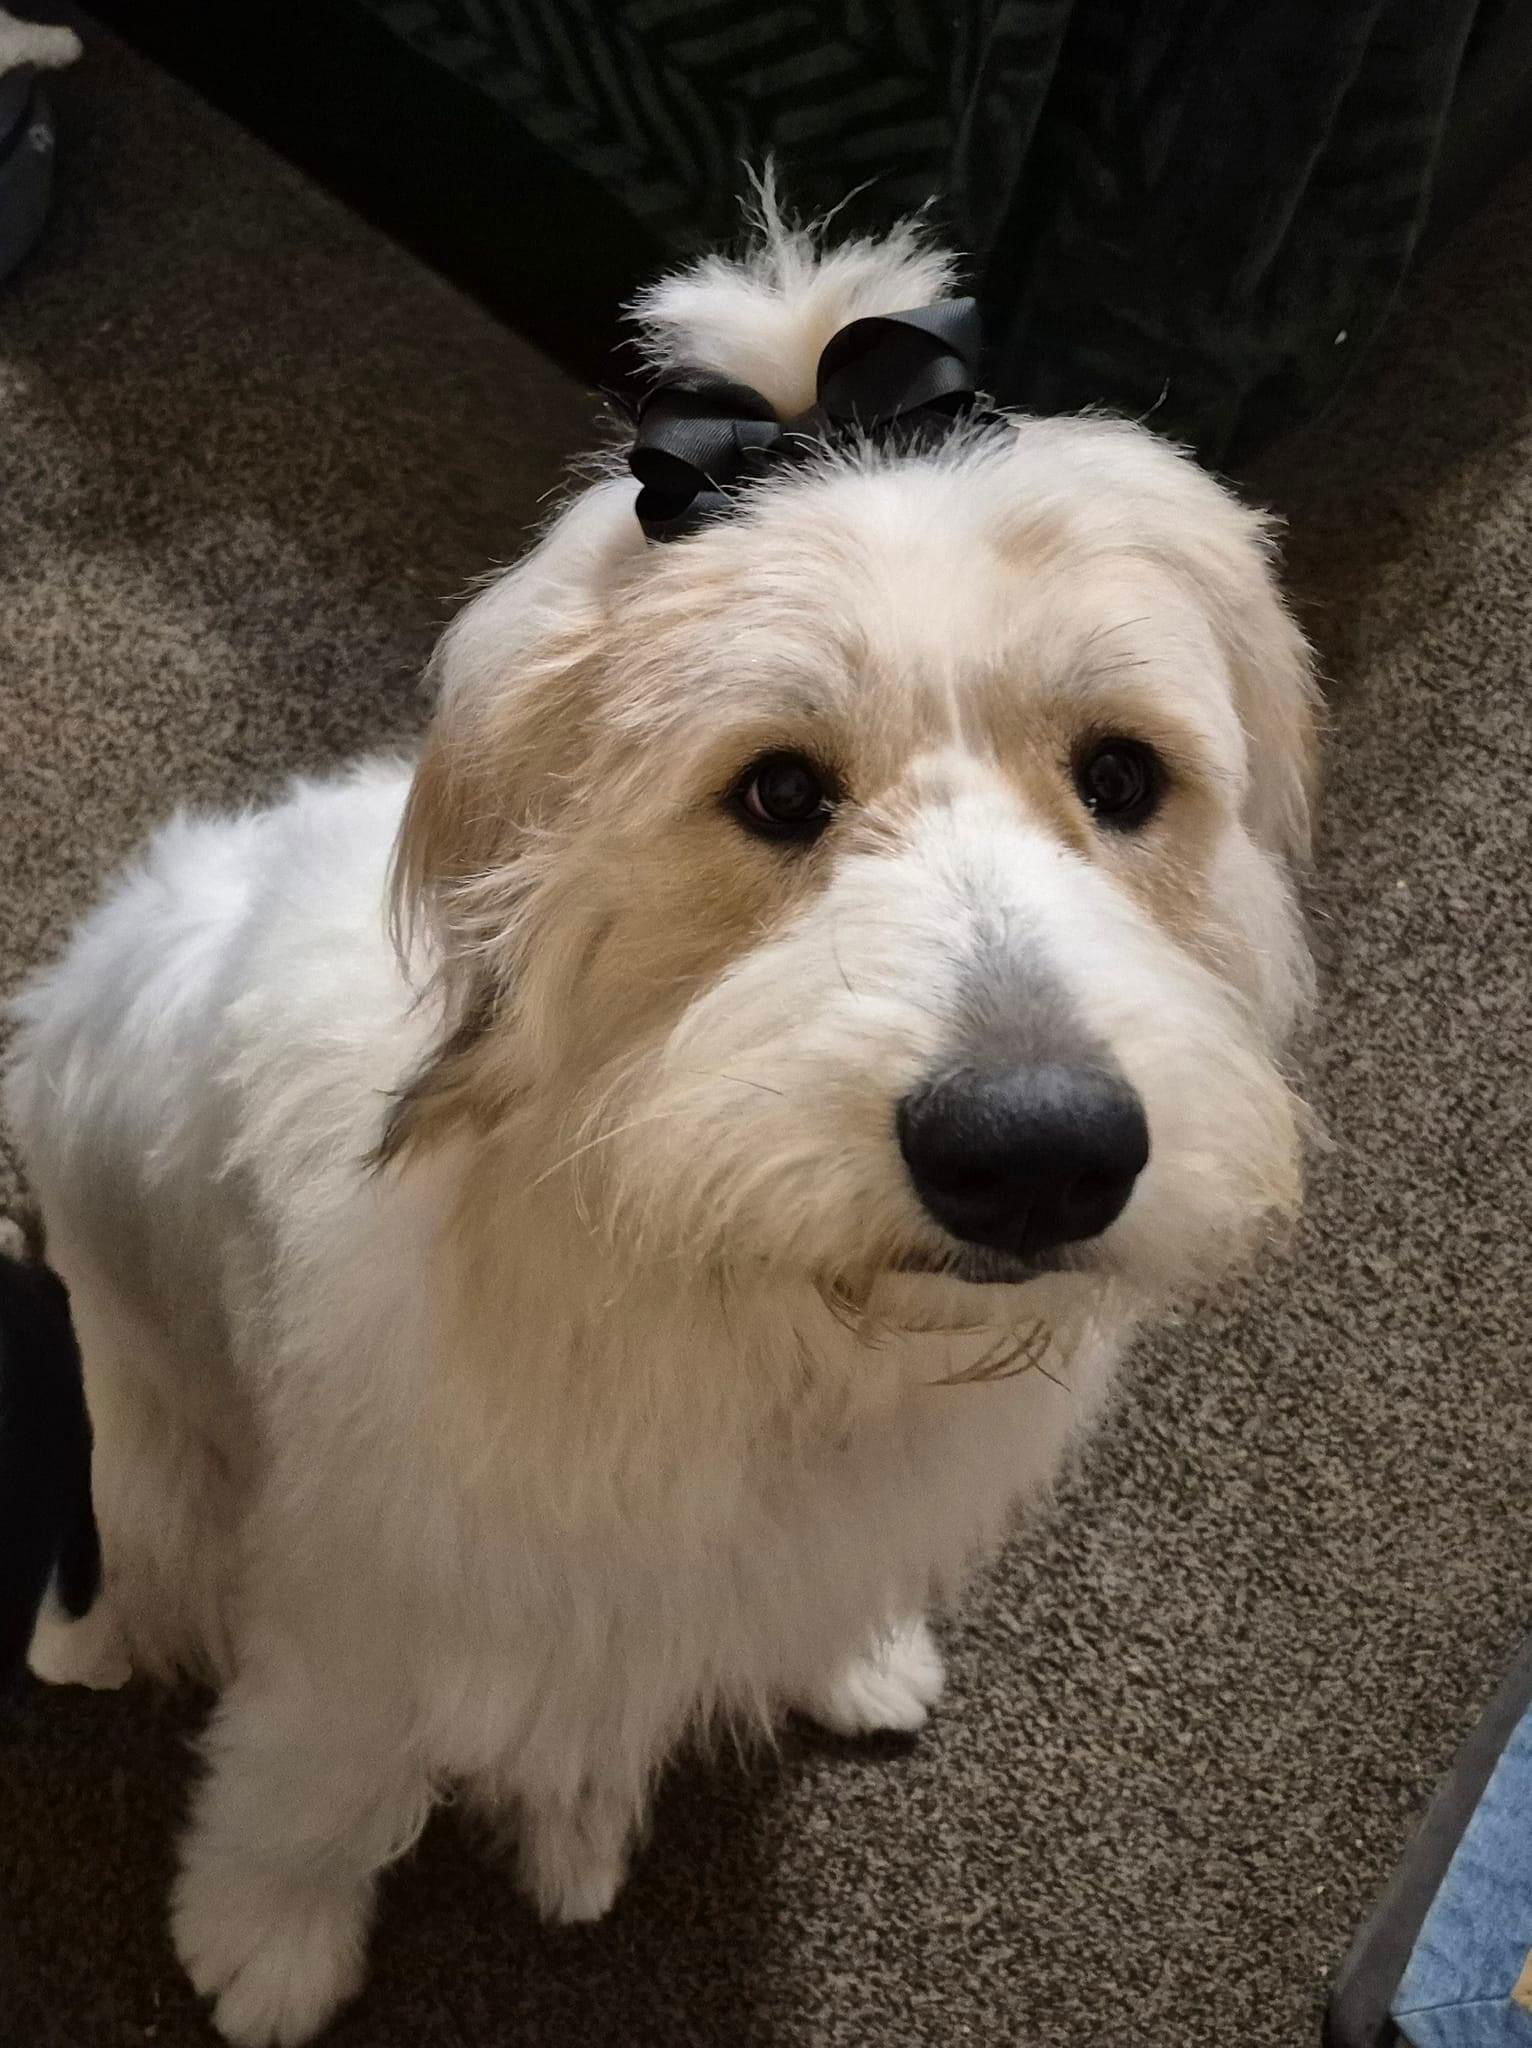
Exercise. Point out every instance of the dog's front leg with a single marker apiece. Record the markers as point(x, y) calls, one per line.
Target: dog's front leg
point(304, 1802)
point(889, 1687)
point(574, 1850)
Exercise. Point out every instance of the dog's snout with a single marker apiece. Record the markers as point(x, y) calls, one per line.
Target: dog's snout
point(1027, 1159)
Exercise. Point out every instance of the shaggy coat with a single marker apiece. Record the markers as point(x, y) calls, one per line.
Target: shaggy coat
point(513, 1340)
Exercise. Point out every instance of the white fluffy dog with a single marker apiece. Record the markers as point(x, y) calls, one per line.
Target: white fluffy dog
point(836, 982)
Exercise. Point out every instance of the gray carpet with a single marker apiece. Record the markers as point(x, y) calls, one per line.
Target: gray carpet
point(247, 452)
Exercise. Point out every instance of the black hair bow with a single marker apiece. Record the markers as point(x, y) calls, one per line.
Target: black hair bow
point(909, 375)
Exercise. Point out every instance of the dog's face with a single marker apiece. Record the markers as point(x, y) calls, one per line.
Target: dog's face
point(889, 878)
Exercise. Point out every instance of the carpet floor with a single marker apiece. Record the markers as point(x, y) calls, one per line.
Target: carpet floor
point(248, 453)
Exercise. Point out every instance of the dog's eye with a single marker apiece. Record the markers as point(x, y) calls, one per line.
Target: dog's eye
point(1119, 782)
point(784, 796)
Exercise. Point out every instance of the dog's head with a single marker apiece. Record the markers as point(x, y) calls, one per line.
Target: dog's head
point(892, 875)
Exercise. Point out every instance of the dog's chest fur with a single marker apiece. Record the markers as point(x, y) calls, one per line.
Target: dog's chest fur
point(578, 1609)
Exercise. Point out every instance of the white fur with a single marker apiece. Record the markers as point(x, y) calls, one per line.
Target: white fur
point(598, 1416)
point(35, 43)
point(764, 319)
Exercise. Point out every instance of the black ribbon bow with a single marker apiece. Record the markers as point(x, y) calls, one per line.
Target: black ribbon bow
point(909, 375)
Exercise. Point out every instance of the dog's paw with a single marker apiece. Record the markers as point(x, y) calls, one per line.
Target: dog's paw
point(573, 1890)
point(889, 1689)
point(90, 1651)
point(574, 1859)
point(278, 1958)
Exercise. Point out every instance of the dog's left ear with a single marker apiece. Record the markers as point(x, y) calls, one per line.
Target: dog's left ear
point(1232, 561)
point(1278, 703)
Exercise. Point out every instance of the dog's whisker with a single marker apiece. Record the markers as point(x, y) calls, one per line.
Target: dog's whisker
point(744, 1081)
point(840, 964)
point(1016, 1352)
point(603, 1138)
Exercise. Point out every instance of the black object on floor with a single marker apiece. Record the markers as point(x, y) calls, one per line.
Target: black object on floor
point(47, 1525)
point(26, 164)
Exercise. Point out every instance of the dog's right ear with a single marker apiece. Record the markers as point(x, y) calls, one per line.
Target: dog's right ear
point(506, 737)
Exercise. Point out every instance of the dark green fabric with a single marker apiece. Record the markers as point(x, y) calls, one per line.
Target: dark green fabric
point(1198, 209)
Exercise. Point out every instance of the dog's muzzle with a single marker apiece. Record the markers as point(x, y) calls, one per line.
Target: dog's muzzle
point(1027, 1159)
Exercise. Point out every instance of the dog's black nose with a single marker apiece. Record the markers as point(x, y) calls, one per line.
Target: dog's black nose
point(1024, 1160)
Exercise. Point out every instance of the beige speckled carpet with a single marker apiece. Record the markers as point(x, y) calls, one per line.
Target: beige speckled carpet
point(247, 453)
